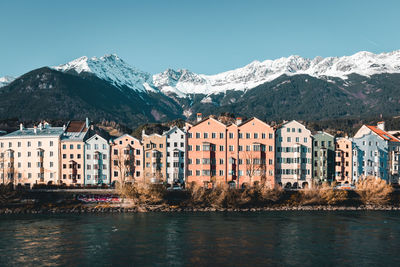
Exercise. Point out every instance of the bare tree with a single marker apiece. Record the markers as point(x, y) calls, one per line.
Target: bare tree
point(255, 166)
point(125, 162)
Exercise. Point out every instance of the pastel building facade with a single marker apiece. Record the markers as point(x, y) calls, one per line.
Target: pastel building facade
point(126, 159)
point(240, 153)
point(175, 155)
point(155, 160)
point(344, 160)
point(380, 151)
point(73, 152)
point(323, 157)
point(206, 152)
point(97, 161)
point(30, 156)
point(293, 155)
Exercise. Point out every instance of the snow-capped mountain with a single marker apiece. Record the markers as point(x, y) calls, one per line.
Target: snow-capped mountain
point(112, 69)
point(6, 80)
point(184, 82)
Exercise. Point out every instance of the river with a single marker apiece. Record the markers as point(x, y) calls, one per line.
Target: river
point(281, 238)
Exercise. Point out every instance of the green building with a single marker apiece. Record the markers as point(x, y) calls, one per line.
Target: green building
point(323, 157)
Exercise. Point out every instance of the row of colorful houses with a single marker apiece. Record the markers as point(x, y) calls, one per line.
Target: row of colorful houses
point(206, 152)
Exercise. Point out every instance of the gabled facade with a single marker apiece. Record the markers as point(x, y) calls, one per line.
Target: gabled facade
point(126, 159)
point(30, 156)
point(323, 157)
point(155, 160)
point(293, 155)
point(371, 158)
point(386, 148)
point(206, 152)
point(240, 154)
point(73, 151)
point(176, 155)
point(256, 153)
point(97, 161)
point(344, 160)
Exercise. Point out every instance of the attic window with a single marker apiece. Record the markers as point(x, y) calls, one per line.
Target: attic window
point(208, 123)
point(96, 138)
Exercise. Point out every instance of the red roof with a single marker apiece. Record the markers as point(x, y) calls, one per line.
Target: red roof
point(385, 135)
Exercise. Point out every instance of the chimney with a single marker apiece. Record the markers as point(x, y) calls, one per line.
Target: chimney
point(143, 132)
point(87, 122)
point(239, 120)
point(21, 127)
point(381, 125)
point(40, 126)
point(64, 127)
point(35, 129)
point(199, 117)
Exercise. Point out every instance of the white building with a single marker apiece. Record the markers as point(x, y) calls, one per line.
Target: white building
point(97, 161)
point(30, 156)
point(176, 147)
point(293, 155)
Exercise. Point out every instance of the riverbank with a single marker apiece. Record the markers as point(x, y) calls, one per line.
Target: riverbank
point(83, 209)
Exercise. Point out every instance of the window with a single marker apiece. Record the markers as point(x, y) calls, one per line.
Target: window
point(289, 139)
point(255, 135)
point(230, 135)
point(305, 140)
point(197, 135)
point(64, 146)
point(29, 143)
point(221, 148)
point(197, 148)
point(230, 148)
point(221, 135)
point(205, 135)
point(247, 135)
point(88, 146)
point(79, 146)
point(71, 146)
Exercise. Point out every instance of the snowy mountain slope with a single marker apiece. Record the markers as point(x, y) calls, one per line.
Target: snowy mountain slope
point(112, 69)
point(184, 82)
point(6, 80)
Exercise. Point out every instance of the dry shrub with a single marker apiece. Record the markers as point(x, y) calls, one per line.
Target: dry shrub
point(311, 197)
point(143, 192)
point(332, 197)
point(373, 190)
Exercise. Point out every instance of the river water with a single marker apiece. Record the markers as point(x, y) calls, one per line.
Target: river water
point(281, 238)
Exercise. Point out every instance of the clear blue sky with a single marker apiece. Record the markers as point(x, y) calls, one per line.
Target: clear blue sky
point(203, 36)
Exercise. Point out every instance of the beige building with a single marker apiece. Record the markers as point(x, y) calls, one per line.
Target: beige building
point(155, 160)
point(30, 156)
point(293, 155)
point(73, 151)
point(126, 159)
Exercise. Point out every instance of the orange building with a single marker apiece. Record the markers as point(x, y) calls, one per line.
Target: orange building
point(239, 154)
point(344, 160)
point(126, 159)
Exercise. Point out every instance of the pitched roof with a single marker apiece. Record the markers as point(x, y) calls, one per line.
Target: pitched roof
point(383, 134)
point(76, 127)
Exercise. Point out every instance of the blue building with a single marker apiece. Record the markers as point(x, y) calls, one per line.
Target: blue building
point(376, 153)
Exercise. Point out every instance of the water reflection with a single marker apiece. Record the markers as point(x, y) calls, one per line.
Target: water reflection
point(201, 239)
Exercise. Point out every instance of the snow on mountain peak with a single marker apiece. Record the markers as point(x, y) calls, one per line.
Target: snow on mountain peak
point(183, 82)
point(363, 63)
point(6, 80)
point(112, 69)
